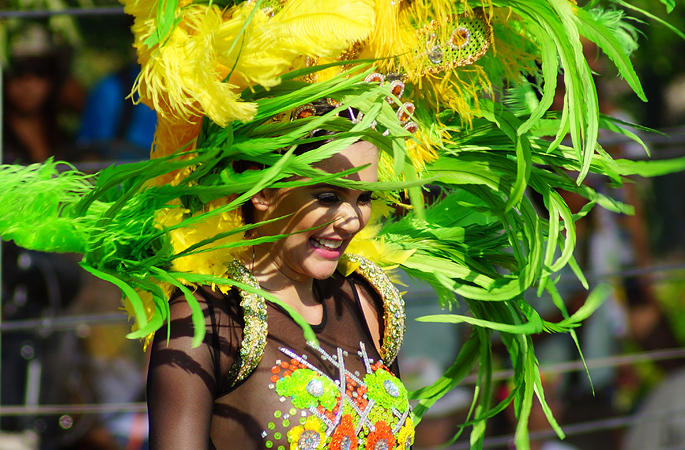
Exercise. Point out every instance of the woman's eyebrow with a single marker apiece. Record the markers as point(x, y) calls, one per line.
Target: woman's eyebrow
point(336, 188)
point(329, 186)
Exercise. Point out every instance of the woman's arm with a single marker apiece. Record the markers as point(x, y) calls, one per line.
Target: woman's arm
point(183, 381)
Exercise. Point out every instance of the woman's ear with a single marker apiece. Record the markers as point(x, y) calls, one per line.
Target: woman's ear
point(261, 200)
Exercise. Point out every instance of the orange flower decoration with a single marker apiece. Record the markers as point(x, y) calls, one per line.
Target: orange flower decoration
point(343, 438)
point(382, 433)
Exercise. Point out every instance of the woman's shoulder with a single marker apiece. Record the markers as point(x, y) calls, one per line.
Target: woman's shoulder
point(217, 307)
point(223, 322)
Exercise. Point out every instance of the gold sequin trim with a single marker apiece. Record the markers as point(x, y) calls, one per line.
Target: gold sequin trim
point(394, 317)
point(255, 330)
point(350, 54)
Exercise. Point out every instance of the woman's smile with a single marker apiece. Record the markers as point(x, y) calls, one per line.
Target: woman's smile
point(327, 245)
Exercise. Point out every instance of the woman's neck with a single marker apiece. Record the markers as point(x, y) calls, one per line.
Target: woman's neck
point(294, 289)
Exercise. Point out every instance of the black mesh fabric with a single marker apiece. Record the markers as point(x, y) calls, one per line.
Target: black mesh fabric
point(191, 404)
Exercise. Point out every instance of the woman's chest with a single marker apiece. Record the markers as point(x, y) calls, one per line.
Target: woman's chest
point(337, 395)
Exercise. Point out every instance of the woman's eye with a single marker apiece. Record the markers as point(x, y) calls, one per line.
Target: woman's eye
point(327, 198)
point(365, 197)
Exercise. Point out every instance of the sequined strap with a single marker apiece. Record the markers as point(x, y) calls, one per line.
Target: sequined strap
point(393, 305)
point(255, 330)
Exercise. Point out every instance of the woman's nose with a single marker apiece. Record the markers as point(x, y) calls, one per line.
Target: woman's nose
point(348, 218)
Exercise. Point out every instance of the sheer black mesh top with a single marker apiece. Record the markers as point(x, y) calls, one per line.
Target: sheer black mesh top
point(338, 395)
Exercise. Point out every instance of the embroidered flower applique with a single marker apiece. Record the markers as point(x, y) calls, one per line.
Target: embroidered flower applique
point(381, 438)
point(307, 388)
point(344, 437)
point(309, 436)
point(387, 389)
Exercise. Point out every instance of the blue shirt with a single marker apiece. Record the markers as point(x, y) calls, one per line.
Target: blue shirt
point(101, 122)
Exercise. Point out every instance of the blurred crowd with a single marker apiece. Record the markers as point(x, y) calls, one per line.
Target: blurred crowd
point(47, 113)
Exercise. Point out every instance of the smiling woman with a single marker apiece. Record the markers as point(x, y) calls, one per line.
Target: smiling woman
point(298, 395)
point(249, 244)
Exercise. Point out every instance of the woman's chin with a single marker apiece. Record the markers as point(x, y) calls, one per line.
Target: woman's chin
point(324, 272)
point(321, 270)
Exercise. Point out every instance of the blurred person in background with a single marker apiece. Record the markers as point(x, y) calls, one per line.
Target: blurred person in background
point(114, 124)
point(36, 87)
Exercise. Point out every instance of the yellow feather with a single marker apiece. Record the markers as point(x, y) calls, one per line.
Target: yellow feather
point(392, 35)
point(212, 262)
point(181, 79)
point(184, 76)
point(367, 243)
point(171, 136)
point(272, 45)
point(149, 307)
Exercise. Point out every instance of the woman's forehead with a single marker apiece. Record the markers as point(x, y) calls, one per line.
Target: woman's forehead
point(359, 154)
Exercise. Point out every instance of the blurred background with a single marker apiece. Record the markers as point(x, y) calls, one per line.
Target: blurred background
point(70, 379)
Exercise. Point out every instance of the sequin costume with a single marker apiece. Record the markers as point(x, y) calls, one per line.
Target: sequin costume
point(453, 93)
point(337, 395)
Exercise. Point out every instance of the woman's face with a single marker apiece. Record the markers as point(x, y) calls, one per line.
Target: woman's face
point(315, 253)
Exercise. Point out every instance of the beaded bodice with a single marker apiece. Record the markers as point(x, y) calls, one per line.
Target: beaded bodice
point(337, 395)
point(366, 410)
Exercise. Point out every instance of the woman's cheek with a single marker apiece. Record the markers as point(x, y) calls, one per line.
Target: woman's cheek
point(366, 215)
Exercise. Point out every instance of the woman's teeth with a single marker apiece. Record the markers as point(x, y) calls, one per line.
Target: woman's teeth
point(327, 244)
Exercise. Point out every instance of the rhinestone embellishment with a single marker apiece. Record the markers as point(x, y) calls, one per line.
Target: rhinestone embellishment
point(461, 37)
point(391, 388)
point(345, 443)
point(309, 440)
point(405, 112)
point(375, 78)
point(382, 444)
point(315, 388)
point(433, 50)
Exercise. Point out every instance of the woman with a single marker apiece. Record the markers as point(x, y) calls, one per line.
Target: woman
point(222, 80)
point(294, 398)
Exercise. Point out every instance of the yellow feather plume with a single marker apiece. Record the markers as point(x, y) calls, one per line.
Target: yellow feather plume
point(273, 44)
point(392, 35)
point(181, 78)
point(184, 76)
point(174, 135)
point(367, 244)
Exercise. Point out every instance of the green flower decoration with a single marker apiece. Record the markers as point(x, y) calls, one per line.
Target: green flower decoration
point(307, 388)
point(386, 390)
